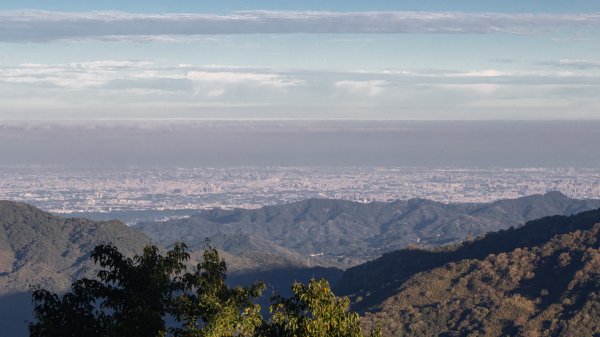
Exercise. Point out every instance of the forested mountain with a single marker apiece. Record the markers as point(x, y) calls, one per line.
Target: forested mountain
point(542, 279)
point(347, 233)
point(39, 249)
point(274, 244)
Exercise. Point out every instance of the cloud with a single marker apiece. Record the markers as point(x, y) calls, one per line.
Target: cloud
point(580, 64)
point(44, 26)
point(273, 80)
point(139, 74)
point(145, 74)
point(482, 73)
point(134, 87)
point(369, 88)
point(73, 75)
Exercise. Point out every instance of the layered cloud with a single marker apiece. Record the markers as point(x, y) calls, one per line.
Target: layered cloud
point(113, 86)
point(130, 73)
point(44, 26)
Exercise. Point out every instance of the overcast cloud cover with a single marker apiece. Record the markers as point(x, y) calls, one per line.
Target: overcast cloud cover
point(43, 26)
point(272, 60)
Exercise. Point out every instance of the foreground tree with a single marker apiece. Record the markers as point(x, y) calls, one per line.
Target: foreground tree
point(131, 297)
point(74, 314)
point(209, 308)
point(313, 311)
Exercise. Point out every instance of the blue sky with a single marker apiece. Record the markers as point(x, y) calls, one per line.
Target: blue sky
point(299, 59)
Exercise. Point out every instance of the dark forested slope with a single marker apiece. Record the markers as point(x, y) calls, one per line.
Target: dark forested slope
point(37, 248)
point(542, 279)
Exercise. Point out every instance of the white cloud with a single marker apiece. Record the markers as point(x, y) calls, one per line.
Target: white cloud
point(43, 26)
point(119, 84)
point(240, 77)
point(369, 88)
point(112, 64)
point(581, 64)
point(482, 73)
point(98, 73)
point(73, 75)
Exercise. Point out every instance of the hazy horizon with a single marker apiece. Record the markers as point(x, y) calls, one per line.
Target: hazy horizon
point(302, 143)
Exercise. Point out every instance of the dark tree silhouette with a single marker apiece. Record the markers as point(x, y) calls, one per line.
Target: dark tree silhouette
point(133, 296)
point(129, 297)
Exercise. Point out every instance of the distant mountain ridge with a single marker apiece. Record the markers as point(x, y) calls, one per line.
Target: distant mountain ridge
point(347, 233)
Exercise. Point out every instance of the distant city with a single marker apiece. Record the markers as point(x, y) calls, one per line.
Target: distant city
point(66, 191)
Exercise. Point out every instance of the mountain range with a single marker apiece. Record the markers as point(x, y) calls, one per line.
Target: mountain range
point(297, 241)
point(341, 233)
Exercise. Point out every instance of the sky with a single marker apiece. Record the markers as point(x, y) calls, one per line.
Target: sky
point(240, 60)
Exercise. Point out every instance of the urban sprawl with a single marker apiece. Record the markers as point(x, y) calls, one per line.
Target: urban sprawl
point(61, 190)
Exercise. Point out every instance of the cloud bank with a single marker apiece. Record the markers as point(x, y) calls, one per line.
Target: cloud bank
point(146, 89)
point(44, 26)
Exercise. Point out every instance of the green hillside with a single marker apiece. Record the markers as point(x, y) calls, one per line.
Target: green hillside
point(37, 248)
point(346, 233)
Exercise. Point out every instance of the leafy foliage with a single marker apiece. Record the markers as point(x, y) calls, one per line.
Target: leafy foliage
point(209, 308)
point(74, 314)
point(313, 310)
point(132, 297)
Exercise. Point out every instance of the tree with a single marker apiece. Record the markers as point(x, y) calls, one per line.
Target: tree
point(132, 297)
point(210, 308)
point(312, 311)
point(72, 315)
point(129, 297)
